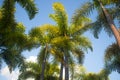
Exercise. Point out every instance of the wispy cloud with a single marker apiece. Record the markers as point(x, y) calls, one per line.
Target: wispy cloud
point(14, 75)
point(10, 76)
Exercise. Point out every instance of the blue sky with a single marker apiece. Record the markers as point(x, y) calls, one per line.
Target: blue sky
point(94, 61)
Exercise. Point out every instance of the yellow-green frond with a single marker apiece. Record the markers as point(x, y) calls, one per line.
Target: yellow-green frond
point(58, 6)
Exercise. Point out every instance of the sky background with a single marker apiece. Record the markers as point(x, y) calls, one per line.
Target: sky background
point(93, 62)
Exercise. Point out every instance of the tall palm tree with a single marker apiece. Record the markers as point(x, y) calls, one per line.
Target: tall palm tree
point(11, 46)
point(69, 39)
point(58, 57)
point(111, 23)
point(61, 39)
point(98, 25)
point(112, 58)
point(44, 35)
point(12, 36)
point(32, 70)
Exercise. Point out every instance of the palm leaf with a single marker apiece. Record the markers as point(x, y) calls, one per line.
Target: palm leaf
point(82, 12)
point(60, 17)
point(99, 25)
point(13, 58)
point(112, 58)
point(26, 75)
point(29, 6)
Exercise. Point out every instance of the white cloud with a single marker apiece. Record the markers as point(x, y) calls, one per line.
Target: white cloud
point(10, 76)
point(32, 59)
point(14, 75)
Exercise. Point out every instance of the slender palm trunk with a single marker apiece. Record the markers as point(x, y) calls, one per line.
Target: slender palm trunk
point(61, 72)
point(111, 24)
point(43, 70)
point(66, 67)
point(43, 65)
point(72, 73)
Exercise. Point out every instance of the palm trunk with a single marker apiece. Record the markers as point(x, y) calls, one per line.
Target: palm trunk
point(43, 65)
point(66, 67)
point(111, 24)
point(43, 70)
point(61, 72)
point(72, 73)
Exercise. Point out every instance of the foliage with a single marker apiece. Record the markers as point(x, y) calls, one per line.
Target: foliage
point(32, 70)
point(29, 6)
point(112, 6)
point(81, 74)
point(44, 35)
point(11, 45)
point(12, 36)
point(70, 40)
point(112, 58)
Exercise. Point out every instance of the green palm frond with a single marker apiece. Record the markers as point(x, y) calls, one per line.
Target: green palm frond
point(51, 69)
point(104, 74)
point(112, 58)
point(12, 35)
point(60, 17)
point(99, 25)
point(29, 6)
point(57, 53)
point(82, 12)
point(33, 67)
point(35, 32)
point(108, 2)
point(32, 70)
point(26, 75)
point(19, 38)
point(71, 60)
point(44, 33)
point(79, 54)
point(62, 42)
point(101, 21)
point(12, 58)
point(115, 12)
point(41, 55)
point(7, 22)
point(96, 28)
point(79, 30)
point(112, 50)
point(0, 13)
point(82, 42)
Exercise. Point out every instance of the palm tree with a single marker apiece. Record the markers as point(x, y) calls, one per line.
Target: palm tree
point(44, 35)
point(11, 46)
point(81, 74)
point(32, 70)
point(60, 40)
point(58, 58)
point(12, 36)
point(98, 25)
point(69, 39)
point(112, 58)
point(111, 23)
